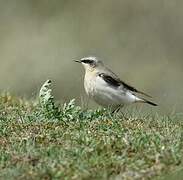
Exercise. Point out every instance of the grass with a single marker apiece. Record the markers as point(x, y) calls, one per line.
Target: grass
point(39, 140)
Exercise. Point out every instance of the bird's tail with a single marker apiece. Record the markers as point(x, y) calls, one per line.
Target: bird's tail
point(146, 101)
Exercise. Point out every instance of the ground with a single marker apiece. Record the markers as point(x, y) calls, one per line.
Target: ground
point(39, 140)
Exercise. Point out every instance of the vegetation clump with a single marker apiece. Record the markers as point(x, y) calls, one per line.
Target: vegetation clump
point(42, 140)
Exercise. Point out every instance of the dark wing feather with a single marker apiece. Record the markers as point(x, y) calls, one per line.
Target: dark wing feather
point(110, 80)
point(116, 82)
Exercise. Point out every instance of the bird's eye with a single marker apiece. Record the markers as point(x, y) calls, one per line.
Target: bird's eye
point(86, 61)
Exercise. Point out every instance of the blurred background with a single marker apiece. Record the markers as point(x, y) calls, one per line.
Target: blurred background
point(142, 41)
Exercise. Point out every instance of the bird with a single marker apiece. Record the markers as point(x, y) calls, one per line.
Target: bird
point(106, 88)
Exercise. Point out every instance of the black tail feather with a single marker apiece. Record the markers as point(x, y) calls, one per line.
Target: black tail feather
point(146, 101)
point(149, 102)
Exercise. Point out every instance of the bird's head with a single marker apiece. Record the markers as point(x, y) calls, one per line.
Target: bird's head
point(90, 63)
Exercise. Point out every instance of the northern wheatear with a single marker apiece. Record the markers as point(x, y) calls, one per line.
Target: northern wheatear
point(105, 87)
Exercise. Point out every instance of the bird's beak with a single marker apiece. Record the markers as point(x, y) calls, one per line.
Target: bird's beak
point(78, 61)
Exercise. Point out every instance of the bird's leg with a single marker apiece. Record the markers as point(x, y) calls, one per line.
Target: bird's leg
point(116, 110)
point(122, 113)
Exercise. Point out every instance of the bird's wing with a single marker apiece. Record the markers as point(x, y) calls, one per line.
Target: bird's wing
point(114, 81)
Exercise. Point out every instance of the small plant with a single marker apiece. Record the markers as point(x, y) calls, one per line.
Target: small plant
point(50, 110)
point(46, 99)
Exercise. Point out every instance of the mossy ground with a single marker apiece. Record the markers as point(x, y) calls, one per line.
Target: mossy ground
point(67, 142)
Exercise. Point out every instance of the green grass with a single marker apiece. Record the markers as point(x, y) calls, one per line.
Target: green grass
point(39, 140)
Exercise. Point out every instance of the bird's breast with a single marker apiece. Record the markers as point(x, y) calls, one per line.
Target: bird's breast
point(89, 84)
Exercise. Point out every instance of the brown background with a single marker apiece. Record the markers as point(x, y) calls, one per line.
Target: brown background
point(142, 41)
